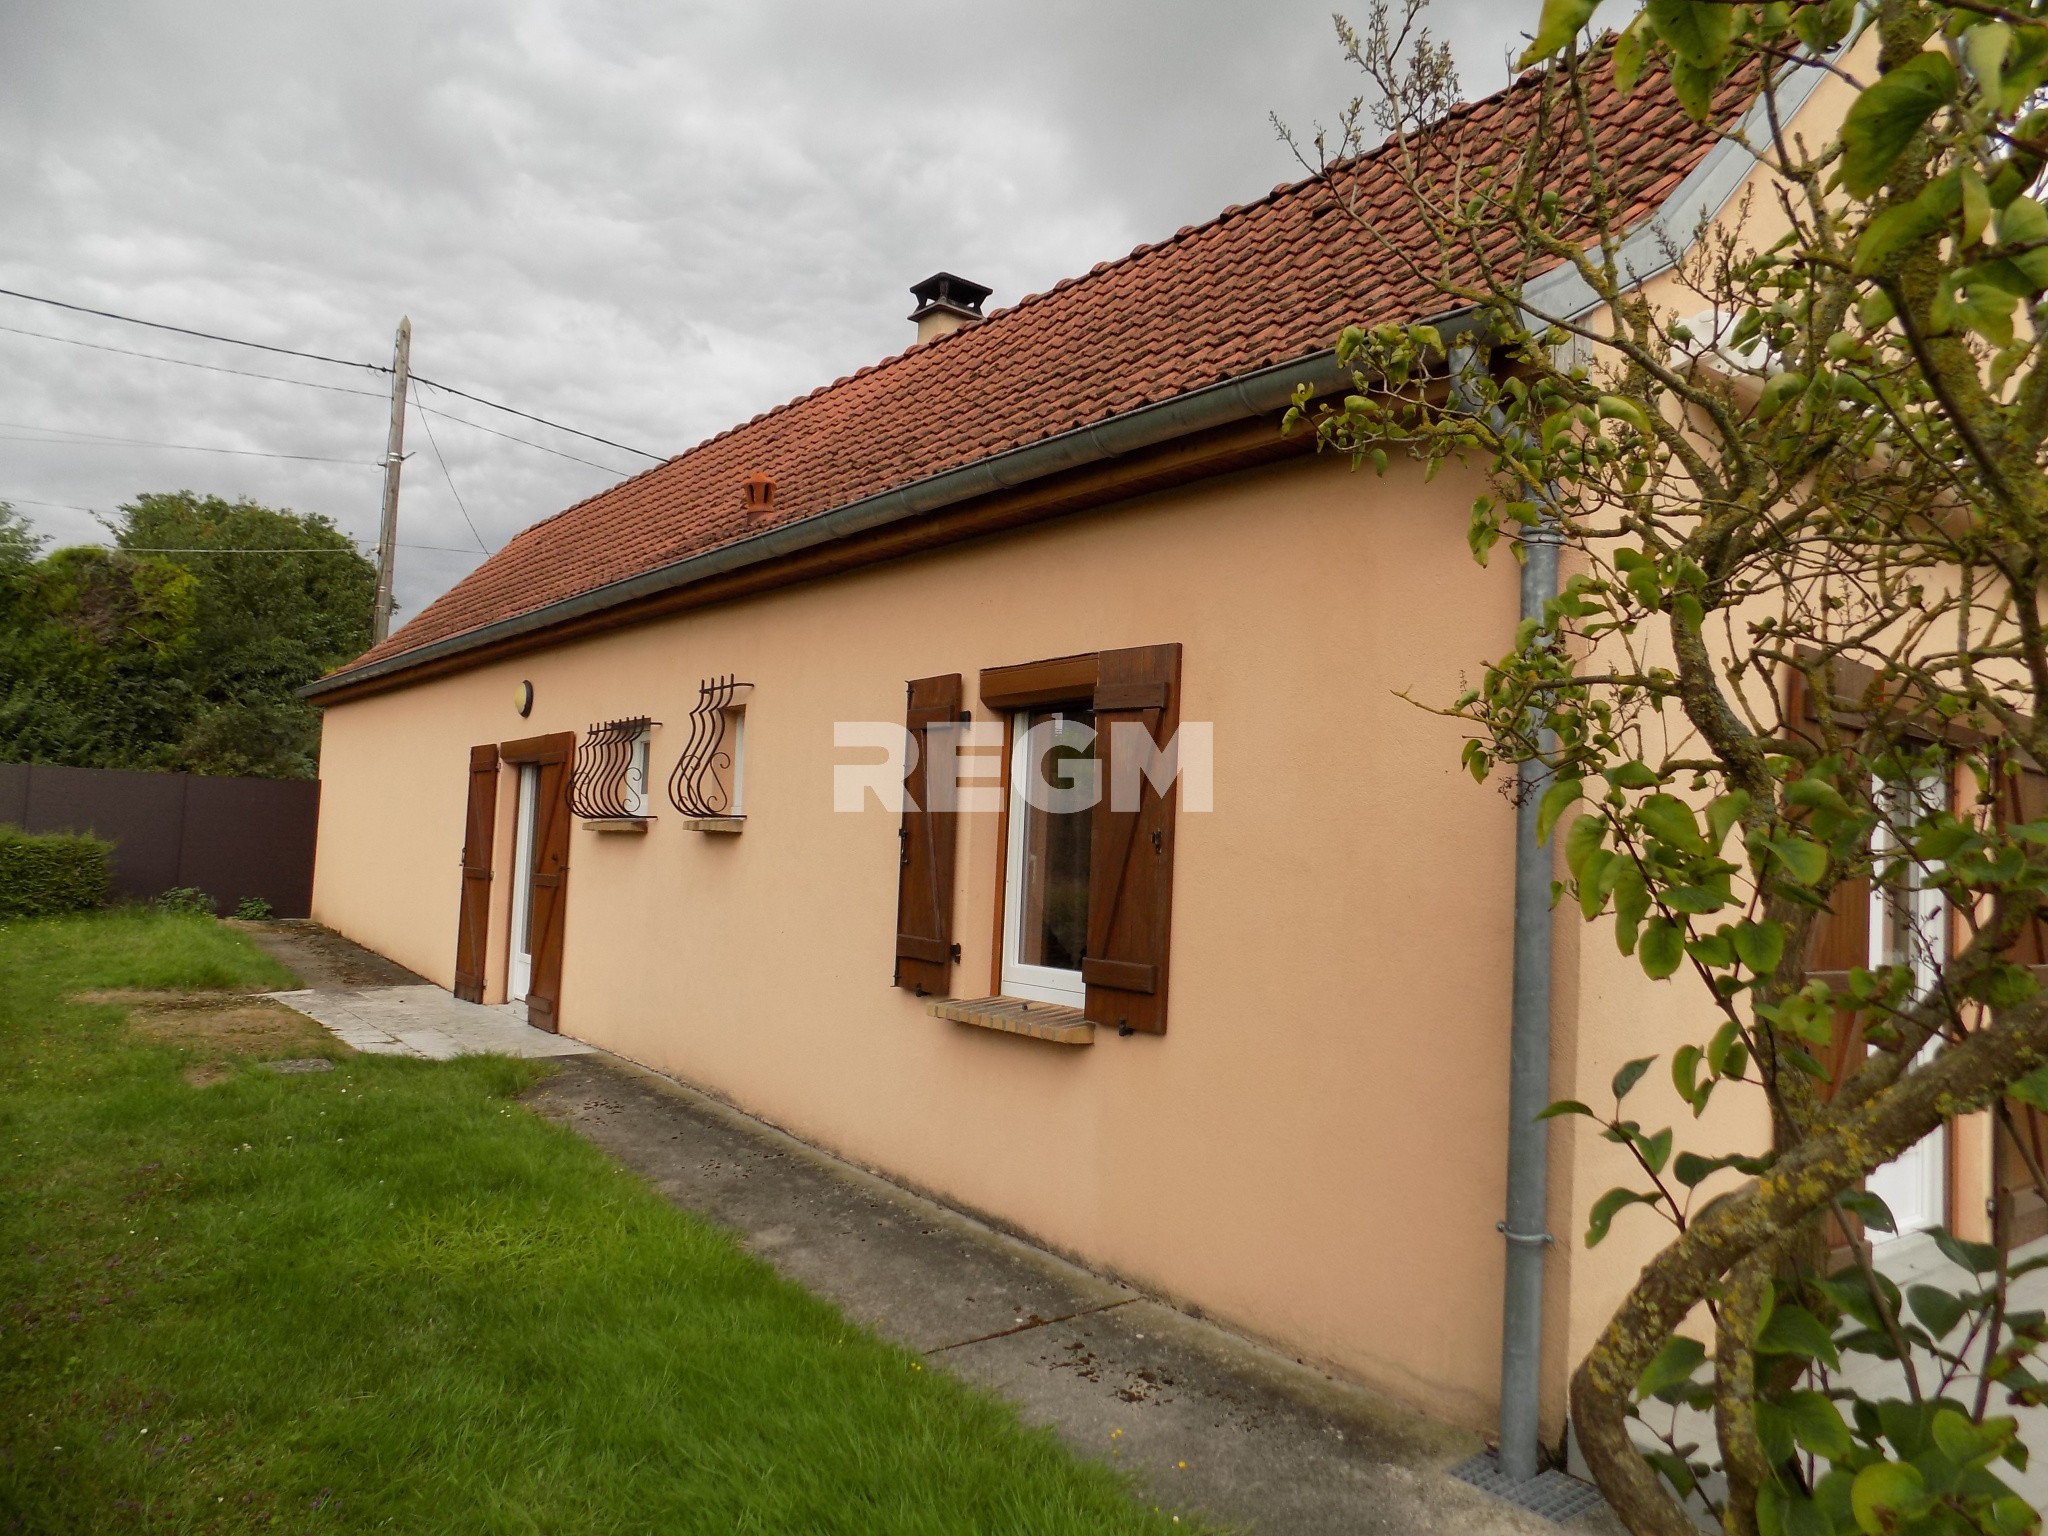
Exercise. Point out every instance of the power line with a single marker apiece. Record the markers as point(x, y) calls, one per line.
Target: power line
point(510, 437)
point(659, 458)
point(264, 346)
point(480, 544)
point(158, 325)
point(184, 362)
point(95, 439)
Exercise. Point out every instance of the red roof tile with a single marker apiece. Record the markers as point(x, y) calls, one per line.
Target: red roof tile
point(1258, 285)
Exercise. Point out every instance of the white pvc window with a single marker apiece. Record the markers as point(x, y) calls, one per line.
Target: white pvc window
point(1045, 894)
point(634, 794)
point(1909, 927)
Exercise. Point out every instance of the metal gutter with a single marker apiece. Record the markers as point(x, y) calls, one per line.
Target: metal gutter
point(1259, 393)
point(1646, 253)
point(1563, 293)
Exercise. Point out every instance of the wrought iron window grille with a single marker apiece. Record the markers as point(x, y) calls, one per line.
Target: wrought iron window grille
point(705, 784)
point(610, 778)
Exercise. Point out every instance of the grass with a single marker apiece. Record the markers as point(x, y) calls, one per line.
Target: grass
point(386, 1297)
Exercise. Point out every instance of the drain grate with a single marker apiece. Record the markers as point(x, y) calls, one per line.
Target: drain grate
point(1552, 1494)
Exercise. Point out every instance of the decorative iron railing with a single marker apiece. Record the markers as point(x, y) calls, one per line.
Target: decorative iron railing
point(705, 783)
point(610, 778)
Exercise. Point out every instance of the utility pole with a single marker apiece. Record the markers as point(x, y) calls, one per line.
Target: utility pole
point(394, 461)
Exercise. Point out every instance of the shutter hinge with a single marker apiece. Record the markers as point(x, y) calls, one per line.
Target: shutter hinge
point(956, 951)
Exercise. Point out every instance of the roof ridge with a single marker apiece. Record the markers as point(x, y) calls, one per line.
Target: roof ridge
point(1138, 252)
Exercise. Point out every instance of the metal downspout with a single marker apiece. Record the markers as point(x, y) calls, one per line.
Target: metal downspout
point(1521, 1353)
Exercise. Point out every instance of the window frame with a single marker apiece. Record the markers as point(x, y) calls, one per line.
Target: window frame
point(1014, 978)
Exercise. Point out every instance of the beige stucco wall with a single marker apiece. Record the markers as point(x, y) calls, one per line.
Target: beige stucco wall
point(1314, 1151)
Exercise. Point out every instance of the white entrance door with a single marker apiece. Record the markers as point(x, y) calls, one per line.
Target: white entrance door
point(520, 972)
point(1909, 926)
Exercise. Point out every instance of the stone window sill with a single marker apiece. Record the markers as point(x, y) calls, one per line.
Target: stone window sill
point(715, 824)
point(616, 823)
point(1015, 1016)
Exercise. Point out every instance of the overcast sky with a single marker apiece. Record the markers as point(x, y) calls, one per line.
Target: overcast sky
point(647, 218)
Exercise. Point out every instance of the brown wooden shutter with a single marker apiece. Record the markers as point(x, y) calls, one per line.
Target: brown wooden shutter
point(1130, 854)
point(473, 920)
point(2022, 1215)
point(551, 825)
point(927, 843)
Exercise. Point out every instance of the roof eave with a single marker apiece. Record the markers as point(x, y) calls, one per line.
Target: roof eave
point(1259, 393)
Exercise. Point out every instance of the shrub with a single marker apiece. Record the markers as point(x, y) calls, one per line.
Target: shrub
point(186, 900)
point(43, 874)
point(252, 909)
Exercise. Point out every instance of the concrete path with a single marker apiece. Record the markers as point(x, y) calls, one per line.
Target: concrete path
point(1208, 1422)
point(422, 1020)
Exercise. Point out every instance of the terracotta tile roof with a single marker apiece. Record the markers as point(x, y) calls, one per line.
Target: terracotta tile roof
point(1260, 284)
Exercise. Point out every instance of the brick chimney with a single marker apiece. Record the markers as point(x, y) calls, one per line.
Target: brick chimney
point(945, 303)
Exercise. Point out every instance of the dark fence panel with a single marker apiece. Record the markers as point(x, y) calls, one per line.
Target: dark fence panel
point(229, 837)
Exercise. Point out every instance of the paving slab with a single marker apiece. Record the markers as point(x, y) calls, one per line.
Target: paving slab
point(1207, 1423)
point(422, 1020)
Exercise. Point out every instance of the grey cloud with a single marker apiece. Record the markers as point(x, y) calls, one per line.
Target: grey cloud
point(649, 219)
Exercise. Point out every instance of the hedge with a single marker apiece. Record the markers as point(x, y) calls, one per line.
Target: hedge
point(42, 875)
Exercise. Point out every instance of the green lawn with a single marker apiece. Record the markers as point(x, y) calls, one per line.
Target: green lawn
point(387, 1297)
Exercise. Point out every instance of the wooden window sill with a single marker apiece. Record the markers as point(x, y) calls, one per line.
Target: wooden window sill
point(616, 823)
point(715, 824)
point(1015, 1016)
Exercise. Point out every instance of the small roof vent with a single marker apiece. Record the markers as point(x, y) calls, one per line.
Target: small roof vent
point(945, 303)
point(760, 495)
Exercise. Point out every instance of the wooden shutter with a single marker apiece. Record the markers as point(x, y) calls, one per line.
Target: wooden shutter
point(1838, 942)
point(927, 842)
point(1130, 854)
point(473, 919)
point(2021, 1214)
point(551, 823)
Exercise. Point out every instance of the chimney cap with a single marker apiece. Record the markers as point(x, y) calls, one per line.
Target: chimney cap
point(945, 292)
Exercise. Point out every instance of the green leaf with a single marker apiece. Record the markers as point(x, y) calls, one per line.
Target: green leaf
point(1723, 812)
point(1619, 408)
point(1693, 85)
point(1760, 946)
point(1817, 1424)
point(1631, 1074)
point(1561, 21)
point(1804, 859)
point(2032, 1089)
point(1868, 1209)
point(1567, 1107)
point(1631, 904)
point(1978, 1258)
point(2023, 221)
point(1582, 841)
point(1884, 117)
point(1968, 1444)
point(1655, 1150)
point(1685, 1074)
point(1629, 52)
point(1556, 801)
point(1697, 31)
point(1674, 1365)
point(1670, 820)
point(1885, 1496)
point(1983, 50)
point(1633, 775)
point(1779, 1513)
point(1793, 1330)
point(1601, 1217)
point(1938, 1310)
point(1778, 391)
point(1662, 948)
point(1815, 793)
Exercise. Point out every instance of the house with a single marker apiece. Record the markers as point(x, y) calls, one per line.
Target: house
point(1241, 1037)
